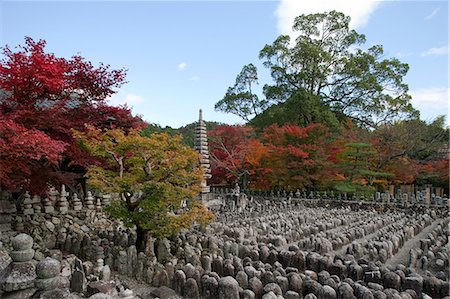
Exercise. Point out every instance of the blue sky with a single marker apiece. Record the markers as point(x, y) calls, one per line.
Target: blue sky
point(182, 55)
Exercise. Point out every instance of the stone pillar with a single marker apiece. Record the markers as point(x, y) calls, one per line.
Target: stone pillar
point(377, 196)
point(49, 201)
point(392, 190)
point(53, 195)
point(7, 209)
point(76, 202)
point(36, 202)
point(28, 205)
point(201, 145)
point(405, 200)
point(78, 281)
point(439, 191)
point(62, 205)
point(20, 273)
point(99, 267)
point(18, 224)
point(98, 206)
point(89, 201)
point(427, 196)
point(48, 281)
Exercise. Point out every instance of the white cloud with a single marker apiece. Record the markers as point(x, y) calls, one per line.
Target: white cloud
point(436, 51)
point(432, 14)
point(432, 102)
point(358, 10)
point(182, 66)
point(129, 99)
point(194, 78)
point(435, 97)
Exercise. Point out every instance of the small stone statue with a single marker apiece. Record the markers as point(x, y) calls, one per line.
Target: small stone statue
point(237, 189)
point(20, 273)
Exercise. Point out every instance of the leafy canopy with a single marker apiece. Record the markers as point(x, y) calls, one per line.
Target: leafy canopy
point(297, 155)
point(358, 167)
point(240, 99)
point(326, 61)
point(302, 109)
point(153, 175)
point(26, 154)
point(236, 156)
point(413, 150)
point(46, 96)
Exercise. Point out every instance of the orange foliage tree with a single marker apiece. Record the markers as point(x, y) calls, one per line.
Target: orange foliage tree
point(154, 176)
point(414, 151)
point(298, 156)
point(236, 156)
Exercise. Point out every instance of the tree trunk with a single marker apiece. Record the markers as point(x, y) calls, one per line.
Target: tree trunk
point(120, 161)
point(140, 240)
point(145, 242)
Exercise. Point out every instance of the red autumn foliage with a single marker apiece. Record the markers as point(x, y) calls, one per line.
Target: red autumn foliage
point(435, 172)
point(237, 156)
point(228, 152)
point(26, 154)
point(50, 96)
point(298, 155)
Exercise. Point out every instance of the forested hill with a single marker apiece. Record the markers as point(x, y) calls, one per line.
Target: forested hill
point(187, 131)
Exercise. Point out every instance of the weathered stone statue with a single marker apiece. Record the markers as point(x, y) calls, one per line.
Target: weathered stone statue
point(237, 189)
point(20, 273)
point(48, 281)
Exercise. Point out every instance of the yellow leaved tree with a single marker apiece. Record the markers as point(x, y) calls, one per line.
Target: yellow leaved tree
point(156, 177)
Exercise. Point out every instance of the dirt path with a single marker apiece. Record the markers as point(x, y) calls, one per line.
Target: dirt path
point(402, 256)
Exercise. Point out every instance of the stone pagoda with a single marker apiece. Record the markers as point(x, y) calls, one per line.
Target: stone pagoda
point(201, 145)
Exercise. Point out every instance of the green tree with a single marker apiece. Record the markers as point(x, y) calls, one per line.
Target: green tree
point(152, 128)
point(301, 109)
point(240, 99)
point(154, 175)
point(187, 131)
point(357, 166)
point(326, 61)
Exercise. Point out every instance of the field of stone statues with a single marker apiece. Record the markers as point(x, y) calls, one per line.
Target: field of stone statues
point(271, 248)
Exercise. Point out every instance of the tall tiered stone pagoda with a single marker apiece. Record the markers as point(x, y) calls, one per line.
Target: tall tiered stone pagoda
point(201, 145)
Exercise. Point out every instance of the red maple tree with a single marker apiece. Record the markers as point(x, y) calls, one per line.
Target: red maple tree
point(44, 97)
point(298, 155)
point(26, 154)
point(237, 156)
